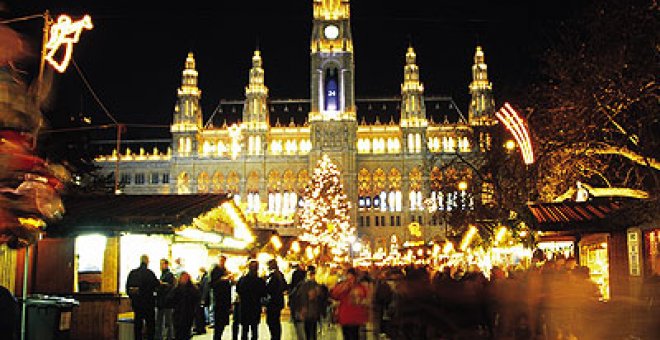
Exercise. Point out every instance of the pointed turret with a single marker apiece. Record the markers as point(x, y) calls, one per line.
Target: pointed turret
point(482, 103)
point(413, 112)
point(255, 110)
point(187, 112)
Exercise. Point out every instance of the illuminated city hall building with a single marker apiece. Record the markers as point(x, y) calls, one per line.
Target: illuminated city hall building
point(388, 166)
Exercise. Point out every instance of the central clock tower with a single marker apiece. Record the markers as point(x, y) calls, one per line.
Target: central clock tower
point(332, 116)
point(332, 69)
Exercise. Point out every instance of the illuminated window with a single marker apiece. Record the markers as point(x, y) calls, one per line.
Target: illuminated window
point(291, 147)
point(276, 147)
point(448, 144)
point(487, 193)
point(203, 182)
point(383, 201)
point(464, 144)
point(418, 143)
point(90, 250)
point(393, 145)
point(411, 143)
point(254, 203)
point(221, 149)
point(271, 202)
point(415, 198)
point(188, 147)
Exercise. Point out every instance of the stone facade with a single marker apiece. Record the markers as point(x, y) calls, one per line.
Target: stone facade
point(388, 168)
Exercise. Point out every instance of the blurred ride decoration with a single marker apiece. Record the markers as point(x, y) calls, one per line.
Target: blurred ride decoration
point(30, 186)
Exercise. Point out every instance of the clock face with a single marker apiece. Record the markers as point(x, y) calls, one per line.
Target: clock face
point(331, 32)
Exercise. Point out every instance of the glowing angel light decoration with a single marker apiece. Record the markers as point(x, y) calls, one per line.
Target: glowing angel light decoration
point(63, 34)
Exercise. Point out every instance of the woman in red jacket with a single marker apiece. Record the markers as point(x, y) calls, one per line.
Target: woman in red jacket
point(353, 309)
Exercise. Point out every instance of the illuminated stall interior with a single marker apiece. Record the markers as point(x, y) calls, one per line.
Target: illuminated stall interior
point(584, 229)
point(112, 232)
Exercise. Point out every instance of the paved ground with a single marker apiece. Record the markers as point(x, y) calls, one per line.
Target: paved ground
point(288, 333)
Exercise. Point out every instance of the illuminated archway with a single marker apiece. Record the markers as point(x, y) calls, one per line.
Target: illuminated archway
point(218, 182)
point(203, 182)
point(183, 183)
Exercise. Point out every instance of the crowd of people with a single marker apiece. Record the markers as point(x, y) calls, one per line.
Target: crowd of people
point(550, 301)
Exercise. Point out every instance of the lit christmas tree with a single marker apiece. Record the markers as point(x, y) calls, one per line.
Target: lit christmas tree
point(324, 216)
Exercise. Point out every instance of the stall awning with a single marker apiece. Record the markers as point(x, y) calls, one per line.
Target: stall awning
point(134, 213)
point(570, 215)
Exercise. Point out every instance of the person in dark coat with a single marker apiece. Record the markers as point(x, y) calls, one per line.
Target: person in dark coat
point(185, 299)
point(310, 300)
point(221, 286)
point(275, 287)
point(201, 311)
point(10, 315)
point(140, 287)
point(298, 276)
point(164, 322)
point(251, 290)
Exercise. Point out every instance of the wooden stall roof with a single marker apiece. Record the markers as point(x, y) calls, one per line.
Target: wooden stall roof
point(569, 215)
point(135, 213)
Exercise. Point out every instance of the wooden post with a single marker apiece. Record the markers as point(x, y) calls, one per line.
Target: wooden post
point(110, 272)
point(8, 268)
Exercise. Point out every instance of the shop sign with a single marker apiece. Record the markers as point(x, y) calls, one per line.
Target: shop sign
point(633, 252)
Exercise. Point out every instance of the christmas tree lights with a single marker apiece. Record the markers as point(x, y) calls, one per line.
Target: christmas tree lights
point(324, 216)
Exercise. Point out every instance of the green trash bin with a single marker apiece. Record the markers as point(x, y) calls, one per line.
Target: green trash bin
point(48, 317)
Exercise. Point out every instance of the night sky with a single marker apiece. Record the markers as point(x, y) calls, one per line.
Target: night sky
point(133, 58)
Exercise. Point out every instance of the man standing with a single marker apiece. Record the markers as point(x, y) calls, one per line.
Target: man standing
point(164, 322)
point(221, 286)
point(140, 287)
point(309, 300)
point(201, 311)
point(251, 289)
point(275, 287)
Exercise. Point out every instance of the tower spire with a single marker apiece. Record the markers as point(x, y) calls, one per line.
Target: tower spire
point(413, 112)
point(187, 112)
point(189, 78)
point(255, 112)
point(331, 9)
point(481, 90)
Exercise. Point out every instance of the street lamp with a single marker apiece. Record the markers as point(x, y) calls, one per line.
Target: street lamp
point(462, 185)
point(510, 145)
point(276, 242)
